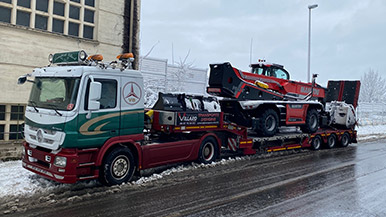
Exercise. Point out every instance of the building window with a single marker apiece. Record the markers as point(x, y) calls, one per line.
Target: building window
point(17, 112)
point(88, 16)
point(24, 3)
point(5, 14)
point(74, 12)
point(64, 17)
point(42, 5)
point(88, 32)
point(73, 29)
point(15, 131)
point(58, 8)
point(2, 112)
point(22, 18)
point(11, 122)
point(41, 22)
point(6, 1)
point(1, 131)
point(90, 3)
point(57, 25)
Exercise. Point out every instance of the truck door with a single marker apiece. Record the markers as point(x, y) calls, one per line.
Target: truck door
point(132, 105)
point(98, 126)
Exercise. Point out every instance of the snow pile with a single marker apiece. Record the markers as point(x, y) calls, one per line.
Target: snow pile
point(17, 181)
point(371, 132)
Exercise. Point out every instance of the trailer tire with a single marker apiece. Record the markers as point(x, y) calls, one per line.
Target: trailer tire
point(208, 151)
point(331, 141)
point(312, 121)
point(345, 140)
point(118, 167)
point(268, 123)
point(316, 142)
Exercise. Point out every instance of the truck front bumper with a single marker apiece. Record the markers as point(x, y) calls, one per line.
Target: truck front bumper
point(41, 162)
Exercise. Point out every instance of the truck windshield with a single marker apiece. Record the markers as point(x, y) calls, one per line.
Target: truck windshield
point(54, 93)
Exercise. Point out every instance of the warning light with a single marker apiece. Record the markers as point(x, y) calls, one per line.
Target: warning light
point(125, 56)
point(96, 57)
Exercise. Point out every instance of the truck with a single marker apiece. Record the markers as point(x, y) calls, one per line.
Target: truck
point(85, 119)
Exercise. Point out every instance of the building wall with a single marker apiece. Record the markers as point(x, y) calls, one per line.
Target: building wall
point(25, 46)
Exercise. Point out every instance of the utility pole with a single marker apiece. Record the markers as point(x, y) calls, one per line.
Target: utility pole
point(310, 7)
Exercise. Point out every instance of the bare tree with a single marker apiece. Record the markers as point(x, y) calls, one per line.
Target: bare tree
point(373, 87)
point(182, 68)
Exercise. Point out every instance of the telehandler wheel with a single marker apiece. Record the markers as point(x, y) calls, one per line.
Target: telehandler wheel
point(345, 139)
point(268, 123)
point(208, 150)
point(316, 142)
point(118, 167)
point(312, 121)
point(331, 141)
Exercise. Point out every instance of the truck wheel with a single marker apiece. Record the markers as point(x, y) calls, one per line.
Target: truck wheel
point(268, 123)
point(118, 167)
point(316, 142)
point(312, 121)
point(345, 140)
point(331, 141)
point(208, 150)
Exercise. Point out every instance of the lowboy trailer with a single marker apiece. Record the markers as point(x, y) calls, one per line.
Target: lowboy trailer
point(86, 119)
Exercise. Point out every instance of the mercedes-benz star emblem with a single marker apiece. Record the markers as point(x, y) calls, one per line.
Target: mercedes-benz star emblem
point(39, 136)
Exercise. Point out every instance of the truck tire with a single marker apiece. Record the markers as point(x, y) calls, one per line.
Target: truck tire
point(268, 123)
point(208, 151)
point(316, 142)
point(331, 141)
point(345, 140)
point(312, 122)
point(118, 167)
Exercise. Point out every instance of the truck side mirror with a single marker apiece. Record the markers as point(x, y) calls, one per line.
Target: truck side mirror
point(22, 79)
point(94, 95)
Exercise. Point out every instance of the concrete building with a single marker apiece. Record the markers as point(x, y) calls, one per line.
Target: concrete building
point(32, 29)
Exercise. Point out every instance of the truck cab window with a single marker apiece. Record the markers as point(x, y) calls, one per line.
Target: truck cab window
point(108, 98)
point(282, 74)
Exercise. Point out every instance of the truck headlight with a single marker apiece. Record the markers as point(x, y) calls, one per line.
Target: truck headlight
point(60, 161)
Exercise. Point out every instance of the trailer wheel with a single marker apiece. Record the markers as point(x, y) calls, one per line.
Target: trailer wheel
point(316, 142)
point(208, 150)
point(331, 141)
point(345, 139)
point(312, 121)
point(268, 123)
point(118, 167)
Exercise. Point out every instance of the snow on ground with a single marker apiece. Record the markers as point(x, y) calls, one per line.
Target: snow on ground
point(16, 181)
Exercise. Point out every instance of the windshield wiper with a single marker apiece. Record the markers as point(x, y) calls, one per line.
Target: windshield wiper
point(55, 108)
point(33, 105)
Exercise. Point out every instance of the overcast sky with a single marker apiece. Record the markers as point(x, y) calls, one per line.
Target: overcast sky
point(348, 36)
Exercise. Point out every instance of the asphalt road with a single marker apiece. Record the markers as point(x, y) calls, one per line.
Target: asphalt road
point(340, 182)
